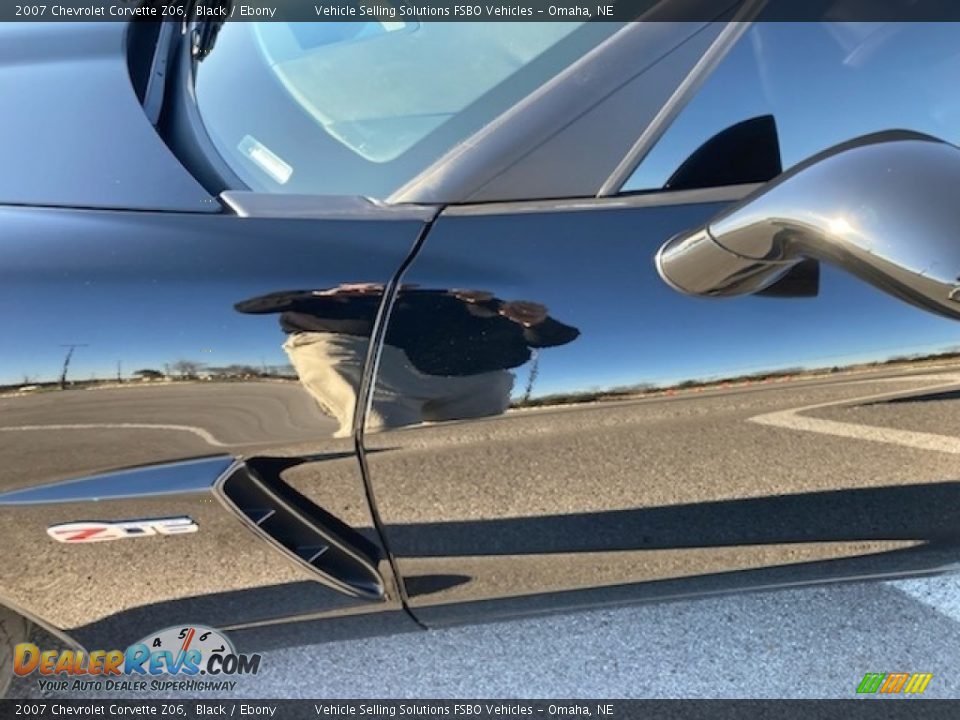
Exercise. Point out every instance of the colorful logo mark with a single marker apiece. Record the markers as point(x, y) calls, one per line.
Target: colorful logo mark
point(190, 650)
point(86, 532)
point(894, 683)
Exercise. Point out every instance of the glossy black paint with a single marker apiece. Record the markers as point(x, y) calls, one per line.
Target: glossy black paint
point(576, 449)
point(74, 131)
point(157, 293)
point(666, 450)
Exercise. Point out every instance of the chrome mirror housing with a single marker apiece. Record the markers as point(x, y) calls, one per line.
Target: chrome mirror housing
point(884, 207)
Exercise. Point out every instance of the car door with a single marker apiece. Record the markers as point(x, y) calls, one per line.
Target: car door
point(189, 319)
point(552, 425)
point(155, 377)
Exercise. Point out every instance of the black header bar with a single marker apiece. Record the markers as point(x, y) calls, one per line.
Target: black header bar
point(480, 11)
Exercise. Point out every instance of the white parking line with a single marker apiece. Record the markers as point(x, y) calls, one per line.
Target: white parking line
point(205, 435)
point(793, 420)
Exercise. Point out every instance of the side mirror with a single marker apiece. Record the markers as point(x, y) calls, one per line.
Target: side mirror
point(884, 207)
point(748, 152)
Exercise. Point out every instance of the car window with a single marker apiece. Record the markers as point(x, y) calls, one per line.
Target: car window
point(812, 86)
point(359, 108)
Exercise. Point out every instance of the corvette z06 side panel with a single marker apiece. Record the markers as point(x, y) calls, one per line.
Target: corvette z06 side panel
point(164, 454)
point(588, 435)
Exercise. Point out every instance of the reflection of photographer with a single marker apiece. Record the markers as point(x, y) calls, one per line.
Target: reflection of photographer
point(446, 354)
point(465, 332)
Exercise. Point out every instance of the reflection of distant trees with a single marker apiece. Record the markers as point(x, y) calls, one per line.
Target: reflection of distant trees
point(246, 372)
point(183, 370)
point(639, 390)
point(592, 395)
point(234, 371)
point(193, 370)
point(148, 374)
point(186, 369)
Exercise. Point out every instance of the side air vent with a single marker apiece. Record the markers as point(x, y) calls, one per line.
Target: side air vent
point(340, 555)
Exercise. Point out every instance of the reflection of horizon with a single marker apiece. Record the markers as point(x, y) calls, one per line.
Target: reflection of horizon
point(191, 371)
point(287, 372)
point(245, 372)
point(642, 389)
point(158, 381)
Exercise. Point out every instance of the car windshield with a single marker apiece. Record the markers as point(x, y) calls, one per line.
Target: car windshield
point(360, 108)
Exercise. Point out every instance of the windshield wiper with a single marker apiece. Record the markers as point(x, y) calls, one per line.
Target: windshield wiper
point(203, 38)
point(205, 31)
point(157, 80)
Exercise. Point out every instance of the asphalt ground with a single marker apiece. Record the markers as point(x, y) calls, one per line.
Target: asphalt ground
point(811, 643)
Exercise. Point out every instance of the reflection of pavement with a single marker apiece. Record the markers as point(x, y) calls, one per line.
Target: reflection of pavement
point(52, 434)
point(56, 434)
point(801, 643)
point(705, 445)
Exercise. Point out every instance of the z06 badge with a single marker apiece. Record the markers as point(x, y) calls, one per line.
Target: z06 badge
point(84, 532)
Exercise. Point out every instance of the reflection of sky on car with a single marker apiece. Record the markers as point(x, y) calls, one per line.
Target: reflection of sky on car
point(824, 84)
point(197, 323)
point(674, 337)
point(692, 338)
point(671, 338)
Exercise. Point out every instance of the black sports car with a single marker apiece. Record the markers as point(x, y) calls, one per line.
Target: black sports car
point(311, 331)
